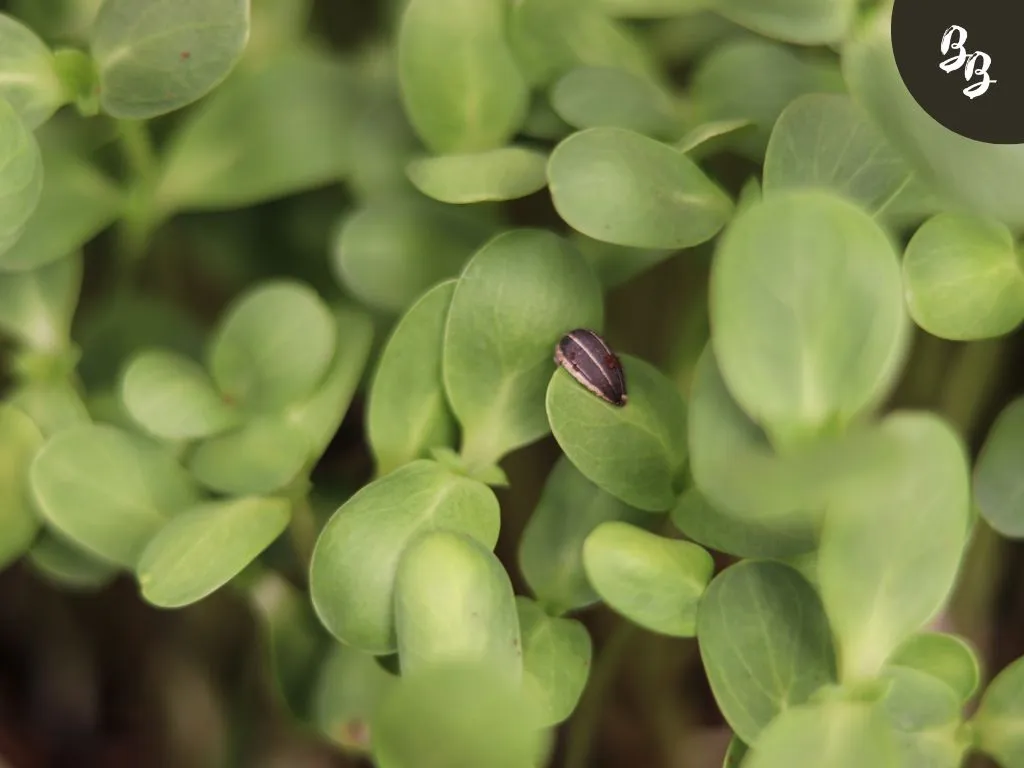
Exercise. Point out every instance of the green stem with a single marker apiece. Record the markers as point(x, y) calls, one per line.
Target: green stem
point(137, 147)
point(584, 724)
point(140, 217)
point(302, 528)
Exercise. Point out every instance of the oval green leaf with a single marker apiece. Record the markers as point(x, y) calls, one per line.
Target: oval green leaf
point(107, 490)
point(945, 657)
point(651, 580)
point(352, 576)
point(202, 549)
point(36, 306)
point(618, 264)
point(998, 483)
point(506, 173)
point(625, 188)
point(551, 547)
point(21, 440)
point(964, 278)
point(407, 413)
point(999, 721)
point(880, 579)
point(460, 85)
point(634, 452)
point(765, 643)
point(349, 687)
point(556, 660)
point(513, 302)
point(21, 176)
point(806, 22)
point(273, 346)
point(30, 83)
point(807, 314)
point(926, 718)
point(173, 397)
point(156, 57)
point(595, 97)
point(65, 565)
point(454, 604)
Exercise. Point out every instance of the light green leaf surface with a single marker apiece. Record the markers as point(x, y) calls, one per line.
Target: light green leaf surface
point(173, 397)
point(53, 406)
point(200, 550)
point(999, 721)
point(156, 56)
point(634, 452)
point(108, 491)
point(28, 78)
point(36, 306)
point(551, 547)
point(454, 604)
point(460, 85)
point(515, 299)
point(625, 188)
point(352, 575)
point(304, 104)
point(505, 173)
point(21, 176)
point(880, 579)
point(653, 581)
point(407, 413)
point(807, 22)
point(947, 658)
point(273, 346)
point(998, 482)
point(20, 441)
point(556, 660)
point(349, 687)
point(594, 97)
point(68, 567)
point(618, 264)
point(964, 278)
point(807, 314)
point(765, 643)
point(925, 715)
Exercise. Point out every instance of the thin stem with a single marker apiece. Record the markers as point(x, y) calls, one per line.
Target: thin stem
point(587, 718)
point(302, 528)
point(140, 215)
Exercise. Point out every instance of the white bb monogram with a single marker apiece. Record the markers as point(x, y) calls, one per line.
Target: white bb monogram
point(976, 63)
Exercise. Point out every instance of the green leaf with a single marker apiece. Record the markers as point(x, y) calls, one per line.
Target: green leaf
point(506, 173)
point(67, 566)
point(21, 176)
point(925, 715)
point(634, 452)
point(964, 278)
point(945, 657)
point(273, 346)
point(550, 37)
point(983, 178)
point(19, 523)
point(485, 720)
point(827, 141)
point(735, 753)
point(52, 405)
point(556, 660)
point(998, 485)
point(551, 547)
point(770, 537)
point(618, 264)
point(29, 83)
point(807, 313)
point(262, 456)
point(655, 9)
point(765, 643)
point(318, 417)
point(753, 79)
point(515, 299)
point(880, 579)
point(460, 85)
point(352, 576)
point(807, 22)
point(107, 490)
point(705, 137)
point(349, 687)
point(624, 188)
point(653, 581)
point(173, 397)
point(202, 549)
point(997, 723)
point(839, 734)
point(390, 251)
point(156, 57)
point(593, 97)
point(37, 306)
point(454, 604)
point(407, 413)
point(76, 204)
point(304, 105)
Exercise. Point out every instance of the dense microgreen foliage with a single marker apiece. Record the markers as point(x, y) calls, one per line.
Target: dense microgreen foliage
point(304, 394)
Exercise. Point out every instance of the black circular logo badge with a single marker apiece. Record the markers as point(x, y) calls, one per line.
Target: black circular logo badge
point(963, 62)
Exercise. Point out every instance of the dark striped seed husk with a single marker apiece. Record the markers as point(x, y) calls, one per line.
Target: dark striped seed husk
point(588, 359)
